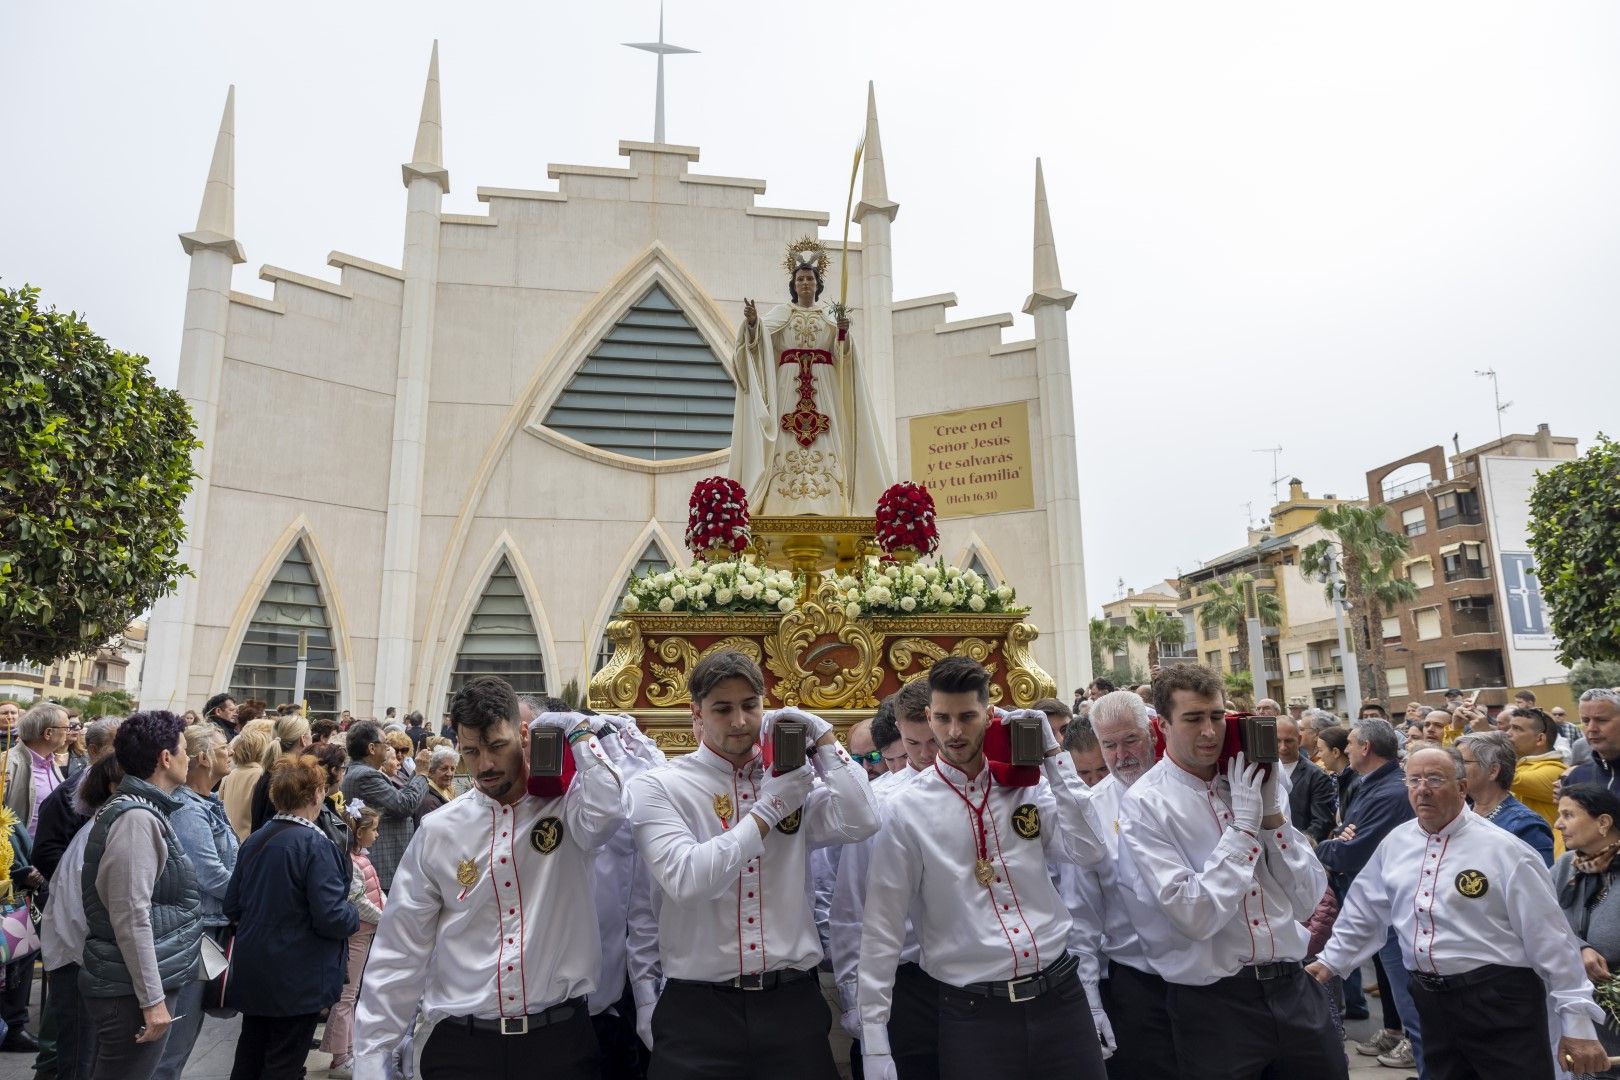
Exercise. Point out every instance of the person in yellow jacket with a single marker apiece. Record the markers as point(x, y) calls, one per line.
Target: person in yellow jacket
point(1540, 765)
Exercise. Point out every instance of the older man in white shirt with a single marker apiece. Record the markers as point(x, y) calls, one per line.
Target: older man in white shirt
point(490, 927)
point(726, 842)
point(1233, 881)
point(964, 853)
point(1481, 933)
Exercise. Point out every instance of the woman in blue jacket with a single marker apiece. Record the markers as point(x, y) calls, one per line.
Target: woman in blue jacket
point(289, 897)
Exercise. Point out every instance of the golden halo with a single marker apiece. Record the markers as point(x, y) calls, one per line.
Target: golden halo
point(806, 251)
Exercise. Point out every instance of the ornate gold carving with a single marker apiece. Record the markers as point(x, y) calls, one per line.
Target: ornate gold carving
point(1027, 680)
point(614, 687)
point(906, 652)
point(673, 739)
point(668, 688)
point(831, 685)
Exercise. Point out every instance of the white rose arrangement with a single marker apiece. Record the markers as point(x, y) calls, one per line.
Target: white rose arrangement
point(720, 587)
point(924, 589)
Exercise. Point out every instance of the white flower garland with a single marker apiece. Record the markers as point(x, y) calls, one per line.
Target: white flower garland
point(734, 586)
point(923, 589)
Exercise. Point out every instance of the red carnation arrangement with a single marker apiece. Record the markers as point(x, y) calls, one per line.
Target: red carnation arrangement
point(717, 517)
point(905, 521)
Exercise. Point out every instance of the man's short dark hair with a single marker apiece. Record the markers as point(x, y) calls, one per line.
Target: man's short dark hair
point(360, 738)
point(911, 702)
point(1099, 683)
point(413, 718)
point(885, 732)
point(323, 729)
point(214, 703)
point(1372, 708)
point(556, 704)
point(1540, 721)
point(1079, 736)
point(1194, 678)
point(1050, 705)
point(716, 668)
point(485, 702)
point(959, 675)
point(1528, 696)
point(142, 739)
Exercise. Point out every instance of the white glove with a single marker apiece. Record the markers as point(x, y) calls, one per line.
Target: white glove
point(850, 1021)
point(1271, 791)
point(1248, 795)
point(814, 726)
point(878, 1067)
point(562, 721)
point(644, 1022)
point(779, 796)
point(1105, 1030)
point(1049, 740)
point(637, 742)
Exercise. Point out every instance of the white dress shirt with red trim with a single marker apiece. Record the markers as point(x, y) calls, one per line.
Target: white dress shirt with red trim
point(734, 903)
point(849, 899)
point(1224, 899)
point(923, 866)
point(1466, 896)
point(1104, 923)
point(517, 940)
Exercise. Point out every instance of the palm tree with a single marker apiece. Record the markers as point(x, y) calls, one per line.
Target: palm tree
point(1153, 628)
point(1107, 639)
point(1370, 557)
point(1227, 608)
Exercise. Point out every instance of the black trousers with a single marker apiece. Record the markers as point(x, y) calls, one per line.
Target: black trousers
point(1137, 1007)
point(14, 998)
point(914, 1024)
point(1491, 1029)
point(703, 1033)
point(619, 1047)
point(1241, 1028)
point(273, 1047)
point(564, 1050)
point(1050, 1037)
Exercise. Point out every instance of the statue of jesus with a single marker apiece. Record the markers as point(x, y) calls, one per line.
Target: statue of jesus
point(805, 441)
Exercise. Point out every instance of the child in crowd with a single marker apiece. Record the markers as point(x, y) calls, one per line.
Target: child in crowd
point(365, 892)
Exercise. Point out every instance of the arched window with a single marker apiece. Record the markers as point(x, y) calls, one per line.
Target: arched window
point(500, 639)
point(266, 664)
point(652, 561)
point(651, 388)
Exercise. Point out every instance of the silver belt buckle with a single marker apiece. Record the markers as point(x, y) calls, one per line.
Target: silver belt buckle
point(1013, 985)
point(514, 1025)
point(750, 982)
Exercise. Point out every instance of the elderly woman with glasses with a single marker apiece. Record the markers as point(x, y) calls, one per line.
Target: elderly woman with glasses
point(1489, 763)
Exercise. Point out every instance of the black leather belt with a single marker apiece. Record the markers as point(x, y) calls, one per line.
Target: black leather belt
point(1441, 984)
point(768, 980)
point(521, 1025)
point(1266, 972)
point(1028, 988)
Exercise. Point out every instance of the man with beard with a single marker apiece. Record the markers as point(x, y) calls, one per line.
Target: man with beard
point(1233, 881)
point(964, 853)
point(489, 928)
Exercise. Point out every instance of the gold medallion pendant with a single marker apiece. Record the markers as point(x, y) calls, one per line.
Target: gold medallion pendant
point(983, 872)
point(722, 809)
point(466, 873)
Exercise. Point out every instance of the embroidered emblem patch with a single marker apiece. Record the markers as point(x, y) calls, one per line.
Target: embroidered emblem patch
point(790, 824)
point(546, 835)
point(722, 809)
point(466, 873)
point(1473, 884)
point(1026, 821)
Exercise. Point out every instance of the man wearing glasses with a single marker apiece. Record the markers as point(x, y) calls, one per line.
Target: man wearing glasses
point(31, 771)
point(1480, 931)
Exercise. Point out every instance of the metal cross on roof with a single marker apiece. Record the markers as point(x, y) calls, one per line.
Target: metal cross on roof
point(662, 50)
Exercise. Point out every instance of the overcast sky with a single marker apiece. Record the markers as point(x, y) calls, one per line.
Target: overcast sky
point(1289, 224)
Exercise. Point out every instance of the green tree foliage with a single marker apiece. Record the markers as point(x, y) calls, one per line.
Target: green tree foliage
point(1227, 607)
point(1575, 534)
point(1154, 628)
point(95, 463)
point(1585, 675)
point(1107, 638)
point(1370, 557)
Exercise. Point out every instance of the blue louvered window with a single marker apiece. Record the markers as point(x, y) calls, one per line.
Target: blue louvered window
point(652, 388)
point(266, 664)
point(500, 639)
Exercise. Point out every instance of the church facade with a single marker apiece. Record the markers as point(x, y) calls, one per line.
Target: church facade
point(475, 449)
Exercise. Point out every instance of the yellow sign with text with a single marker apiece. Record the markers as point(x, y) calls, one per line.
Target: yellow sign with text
point(976, 461)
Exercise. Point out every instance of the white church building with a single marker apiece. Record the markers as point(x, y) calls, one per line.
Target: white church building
point(481, 444)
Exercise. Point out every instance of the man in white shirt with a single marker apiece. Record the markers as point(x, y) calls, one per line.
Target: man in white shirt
point(914, 1016)
point(1232, 881)
point(726, 842)
point(964, 852)
point(1481, 934)
point(1132, 994)
point(490, 927)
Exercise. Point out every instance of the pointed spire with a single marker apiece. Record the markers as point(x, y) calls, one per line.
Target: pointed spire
point(427, 160)
point(216, 221)
point(874, 181)
point(1048, 282)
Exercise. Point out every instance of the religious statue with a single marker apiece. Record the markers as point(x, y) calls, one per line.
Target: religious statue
point(806, 441)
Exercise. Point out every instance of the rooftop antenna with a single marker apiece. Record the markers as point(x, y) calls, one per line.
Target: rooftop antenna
point(661, 50)
point(1248, 507)
point(1276, 477)
point(1496, 394)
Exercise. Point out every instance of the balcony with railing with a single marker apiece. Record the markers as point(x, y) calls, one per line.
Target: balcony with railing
point(1467, 571)
point(13, 667)
point(1446, 521)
